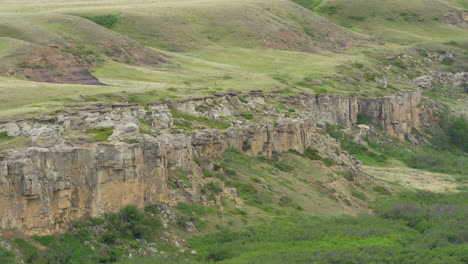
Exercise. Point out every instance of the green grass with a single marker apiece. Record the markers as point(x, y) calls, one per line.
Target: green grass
point(363, 153)
point(283, 178)
point(101, 134)
point(409, 229)
point(444, 154)
point(44, 240)
point(7, 256)
point(206, 65)
point(4, 137)
point(179, 174)
point(398, 21)
point(199, 210)
point(188, 119)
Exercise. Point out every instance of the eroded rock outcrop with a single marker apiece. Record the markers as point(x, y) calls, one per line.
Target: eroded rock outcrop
point(57, 180)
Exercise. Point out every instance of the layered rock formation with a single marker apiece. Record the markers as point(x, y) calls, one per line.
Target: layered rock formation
point(64, 176)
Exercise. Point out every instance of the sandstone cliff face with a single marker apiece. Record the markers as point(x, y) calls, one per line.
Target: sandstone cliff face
point(58, 180)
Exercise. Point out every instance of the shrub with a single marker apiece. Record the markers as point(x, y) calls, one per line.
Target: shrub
point(4, 136)
point(44, 240)
point(359, 195)
point(179, 174)
point(348, 175)
point(130, 222)
point(447, 61)
point(328, 162)
point(207, 173)
point(358, 65)
point(357, 18)
point(283, 165)
point(29, 252)
point(189, 209)
point(309, 4)
point(7, 257)
point(83, 54)
point(381, 190)
point(152, 209)
point(364, 119)
point(329, 9)
point(439, 161)
point(145, 122)
point(108, 21)
point(311, 153)
point(359, 151)
point(211, 188)
point(457, 132)
point(247, 115)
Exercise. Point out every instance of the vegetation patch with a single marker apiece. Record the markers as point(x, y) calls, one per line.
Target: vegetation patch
point(188, 119)
point(416, 227)
point(381, 190)
point(247, 115)
point(359, 151)
point(4, 136)
point(101, 134)
point(446, 152)
point(108, 21)
point(44, 240)
point(179, 174)
point(364, 119)
point(7, 256)
point(83, 54)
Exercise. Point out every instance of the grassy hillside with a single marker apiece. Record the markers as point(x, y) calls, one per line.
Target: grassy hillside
point(55, 53)
point(208, 46)
point(397, 21)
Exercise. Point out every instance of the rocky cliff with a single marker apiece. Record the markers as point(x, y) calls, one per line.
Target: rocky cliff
point(65, 176)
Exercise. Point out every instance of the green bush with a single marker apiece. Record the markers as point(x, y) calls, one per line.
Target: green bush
point(457, 132)
point(44, 240)
point(359, 151)
point(309, 4)
point(311, 153)
point(359, 195)
point(29, 253)
point(145, 122)
point(83, 54)
point(438, 161)
point(179, 174)
point(447, 61)
point(247, 115)
point(412, 228)
point(211, 188)
point(4, 136)
point(108, 21)
point(207, 173)
point(189, 209)
point(381, 190)
point(357, 18)
point(283, 165)
point(130, 222)
point(7, 257)
point(328, 9)
point(364, 119)
point(348, 175)
point(328, 162)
